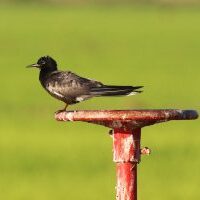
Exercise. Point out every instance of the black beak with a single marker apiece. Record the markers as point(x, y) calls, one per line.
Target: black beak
point(33, 65)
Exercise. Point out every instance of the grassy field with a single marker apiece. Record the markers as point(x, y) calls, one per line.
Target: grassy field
point(41, 159)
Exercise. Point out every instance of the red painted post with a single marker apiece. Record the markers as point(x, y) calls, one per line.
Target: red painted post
point(127, 126)
point(126, 154)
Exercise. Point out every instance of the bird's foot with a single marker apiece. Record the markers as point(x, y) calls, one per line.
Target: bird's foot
point(62, 110)
point(59, 111)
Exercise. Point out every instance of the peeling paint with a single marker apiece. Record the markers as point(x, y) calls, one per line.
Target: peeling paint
point(126, 181)
point(70, 116)
point(124, 116)
point(127, 144)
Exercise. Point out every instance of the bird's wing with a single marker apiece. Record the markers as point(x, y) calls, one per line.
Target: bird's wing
point(68, 84)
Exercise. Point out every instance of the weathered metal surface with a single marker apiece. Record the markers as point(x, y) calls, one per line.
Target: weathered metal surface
point(126, 145)
point(126, 154)
point(127, 126)
point(126, 119)
point(126, 181)
point(126, 115)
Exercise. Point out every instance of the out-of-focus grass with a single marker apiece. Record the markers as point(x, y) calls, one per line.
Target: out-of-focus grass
point(155, 47)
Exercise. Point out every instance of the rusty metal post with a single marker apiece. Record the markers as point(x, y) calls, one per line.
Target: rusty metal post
point(127, 126)
point(126, 154)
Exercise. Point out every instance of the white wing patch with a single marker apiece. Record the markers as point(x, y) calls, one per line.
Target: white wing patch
point(132, 93)
point(83, 98)
point(79, 99)
point(51, 89)
point(56, 93)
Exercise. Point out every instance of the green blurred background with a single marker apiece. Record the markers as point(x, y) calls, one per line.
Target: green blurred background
point(152, 43)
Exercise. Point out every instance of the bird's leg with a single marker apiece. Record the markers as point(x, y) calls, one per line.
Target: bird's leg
point(66, 105)
point(64, 109)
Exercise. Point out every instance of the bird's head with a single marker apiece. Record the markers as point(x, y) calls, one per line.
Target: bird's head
point(45, 63)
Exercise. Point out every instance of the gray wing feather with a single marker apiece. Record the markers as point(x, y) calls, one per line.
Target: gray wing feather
point(71, 86)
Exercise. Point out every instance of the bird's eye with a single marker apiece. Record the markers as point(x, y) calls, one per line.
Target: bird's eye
point(42, 62)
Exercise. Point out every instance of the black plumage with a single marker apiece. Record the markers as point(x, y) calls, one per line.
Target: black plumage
point(71, 88)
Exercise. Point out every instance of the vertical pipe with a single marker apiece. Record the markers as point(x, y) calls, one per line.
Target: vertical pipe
point(126, 149)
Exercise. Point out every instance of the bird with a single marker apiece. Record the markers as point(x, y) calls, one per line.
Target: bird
point(70, 88)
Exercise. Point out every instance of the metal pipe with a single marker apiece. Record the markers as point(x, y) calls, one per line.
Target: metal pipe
point(126, 154)
point(127, 126)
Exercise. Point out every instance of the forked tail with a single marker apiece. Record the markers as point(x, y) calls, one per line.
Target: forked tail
point(109, 90)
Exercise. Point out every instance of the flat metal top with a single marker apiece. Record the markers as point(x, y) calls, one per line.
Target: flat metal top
point(126, 118)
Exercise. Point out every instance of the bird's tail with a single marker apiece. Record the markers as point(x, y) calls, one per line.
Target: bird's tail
point(109, 90)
